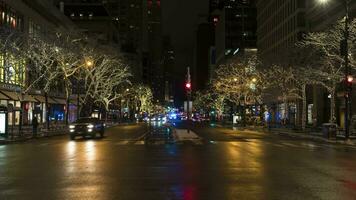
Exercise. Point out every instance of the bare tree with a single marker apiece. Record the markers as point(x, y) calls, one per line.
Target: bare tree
point(282, 79)
point(325, 47)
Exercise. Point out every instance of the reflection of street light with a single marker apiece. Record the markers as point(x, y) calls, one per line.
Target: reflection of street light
point(127, 89)
point(254, 80)
point(235, 79)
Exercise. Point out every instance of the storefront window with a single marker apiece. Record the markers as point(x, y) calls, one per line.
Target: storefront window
point(310, 114)
point(14, 70)
point(2, 72)
point(9, 17)
point(3, 102)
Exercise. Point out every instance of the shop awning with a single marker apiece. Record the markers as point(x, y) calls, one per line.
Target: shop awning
point(16, 96)
point(3, 97)
point(52, 100)
point(12, 95)
point(60, 101)
point(40, 98)
point(29, 98)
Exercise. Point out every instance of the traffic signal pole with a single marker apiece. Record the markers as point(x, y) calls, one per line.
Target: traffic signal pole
point(348, 77)
point(188, 87)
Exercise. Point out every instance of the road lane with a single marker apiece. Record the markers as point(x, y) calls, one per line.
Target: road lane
point(266, 168)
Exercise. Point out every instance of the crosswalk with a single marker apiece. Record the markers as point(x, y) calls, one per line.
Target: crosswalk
point(281, 144)
point(278, 144)
point(158, 142)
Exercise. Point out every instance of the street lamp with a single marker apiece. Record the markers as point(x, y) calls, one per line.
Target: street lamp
point(89, 63)
point(345, 52)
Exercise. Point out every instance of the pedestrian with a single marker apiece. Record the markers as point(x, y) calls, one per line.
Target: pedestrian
point(34, 126)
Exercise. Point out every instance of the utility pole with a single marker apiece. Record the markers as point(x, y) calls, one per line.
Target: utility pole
point(188, 87)
point(348, 76)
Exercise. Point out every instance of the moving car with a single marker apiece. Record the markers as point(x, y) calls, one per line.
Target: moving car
point(158, 118)
point(86, 127)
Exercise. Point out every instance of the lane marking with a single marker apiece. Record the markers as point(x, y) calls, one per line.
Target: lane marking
point(141, 142)
point(123, 142)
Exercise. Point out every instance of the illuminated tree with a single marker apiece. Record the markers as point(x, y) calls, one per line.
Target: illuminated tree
point(325, 48)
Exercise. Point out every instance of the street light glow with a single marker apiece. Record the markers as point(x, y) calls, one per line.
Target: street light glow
point(188, 85)
point(89, 63)
point(323, 1)
point(350, 78)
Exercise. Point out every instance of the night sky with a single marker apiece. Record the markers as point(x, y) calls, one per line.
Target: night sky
point(180, 19)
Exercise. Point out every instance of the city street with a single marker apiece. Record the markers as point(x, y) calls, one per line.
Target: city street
point(132, 162)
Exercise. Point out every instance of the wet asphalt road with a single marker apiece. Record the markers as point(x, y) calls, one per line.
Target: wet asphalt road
point(132, 163)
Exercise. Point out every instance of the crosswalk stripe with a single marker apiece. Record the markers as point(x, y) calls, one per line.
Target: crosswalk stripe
point(123, 142)
point(141, 142)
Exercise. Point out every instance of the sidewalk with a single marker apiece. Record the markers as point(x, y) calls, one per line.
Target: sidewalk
point(310, 135)
point(28, 136)
point(315, 136)
point(44, 133)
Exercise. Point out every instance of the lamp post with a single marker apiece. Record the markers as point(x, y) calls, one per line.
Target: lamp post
point(345, 52)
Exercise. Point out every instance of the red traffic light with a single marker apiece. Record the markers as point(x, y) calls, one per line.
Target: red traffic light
point(350, 79)
point(188, 85)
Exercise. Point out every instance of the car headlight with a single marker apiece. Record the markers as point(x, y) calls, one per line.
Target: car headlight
point(90, 126)
point(71, 126)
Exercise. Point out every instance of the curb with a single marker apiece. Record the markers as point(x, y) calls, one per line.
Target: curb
point(315, 138)
point(302, 136)
point(21, 140)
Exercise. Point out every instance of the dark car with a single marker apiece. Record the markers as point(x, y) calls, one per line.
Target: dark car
point(86, 127)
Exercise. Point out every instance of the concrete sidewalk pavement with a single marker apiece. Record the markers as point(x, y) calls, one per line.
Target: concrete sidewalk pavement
point(310, 135)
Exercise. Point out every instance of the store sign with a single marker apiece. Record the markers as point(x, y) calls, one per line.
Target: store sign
point(10, 87)
point(2, 123)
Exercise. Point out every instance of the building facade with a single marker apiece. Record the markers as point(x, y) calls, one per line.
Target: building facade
point(282, 23)
point(29, 18)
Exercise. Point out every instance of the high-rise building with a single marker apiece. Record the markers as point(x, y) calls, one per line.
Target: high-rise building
point(153, 72)
point(203, 44)
point(235, 28)
point(92, 18)
point(133, 25)
point(280, 25)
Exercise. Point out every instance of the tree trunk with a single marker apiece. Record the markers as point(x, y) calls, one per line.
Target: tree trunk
point(332, 107)
point(304, 107)
point(285, 119)
point(47, 110)
point(21, 116)
point(67, 105)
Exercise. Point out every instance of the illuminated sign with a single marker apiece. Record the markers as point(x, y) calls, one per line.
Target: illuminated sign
point(2, 123)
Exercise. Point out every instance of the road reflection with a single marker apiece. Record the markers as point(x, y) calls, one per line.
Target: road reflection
point(80, 162)
point(244, 161)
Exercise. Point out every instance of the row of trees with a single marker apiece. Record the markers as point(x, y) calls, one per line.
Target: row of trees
point(58, 62)
point(315, 60)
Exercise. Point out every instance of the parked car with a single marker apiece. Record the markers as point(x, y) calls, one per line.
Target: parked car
point(86, 127)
